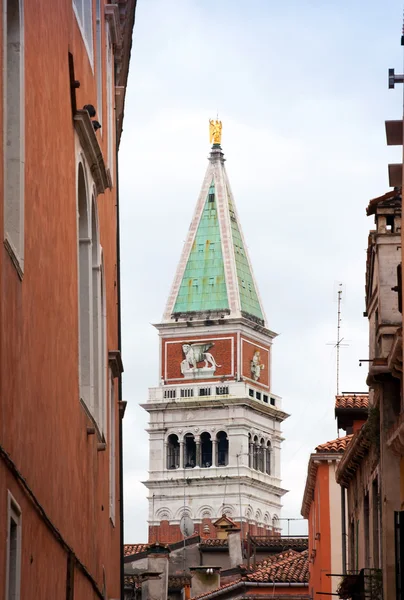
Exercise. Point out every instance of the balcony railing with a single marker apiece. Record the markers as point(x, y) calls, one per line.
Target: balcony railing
point(234, 389)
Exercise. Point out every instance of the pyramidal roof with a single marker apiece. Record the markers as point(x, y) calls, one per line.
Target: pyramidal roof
point(214, 274)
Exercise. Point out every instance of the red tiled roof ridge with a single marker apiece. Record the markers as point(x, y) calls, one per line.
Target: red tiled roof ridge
point(338, 445)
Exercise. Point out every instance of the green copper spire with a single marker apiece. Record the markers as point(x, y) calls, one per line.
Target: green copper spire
point(214, 274)
point(248, 294)
point(203, 286)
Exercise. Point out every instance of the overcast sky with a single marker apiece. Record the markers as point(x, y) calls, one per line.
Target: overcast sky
point(301, 88)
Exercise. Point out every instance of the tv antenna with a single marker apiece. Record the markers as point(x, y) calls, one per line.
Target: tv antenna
point(338, 344)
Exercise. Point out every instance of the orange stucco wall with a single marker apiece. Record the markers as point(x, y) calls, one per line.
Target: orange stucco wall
point(320, 533)
point(42, 424)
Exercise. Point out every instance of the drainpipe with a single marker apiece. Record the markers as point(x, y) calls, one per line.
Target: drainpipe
point(343, 529)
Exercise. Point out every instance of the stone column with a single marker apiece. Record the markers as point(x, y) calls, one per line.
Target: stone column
point(181, 455)
point(198, 453)
point(214, 452)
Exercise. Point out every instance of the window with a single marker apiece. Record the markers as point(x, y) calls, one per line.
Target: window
point(376, 524)
point(268, 459)
point(187, 393)
point(110, 102)
point(99, 325)
point(13, 557)
point(265, 398)
point(85, 310)
point(200, 248)
point(261, 455)
point(222, 390)
point(98, 44)
point(112, 448)
point(204, 391)
point(189, 451)
point(84, 12)
point(92, 309)
point(250, 451)
point(212, 246)
point(366, 530)
point(173, 452)
point(211, 281)
point(13, 141)
point(255, 453)
point(222, 449)
point(211, 197)
point(206, 449)
point(251, 393)
point(195, 282)
point(169, 393)
point(272, 400)
point(258, 395)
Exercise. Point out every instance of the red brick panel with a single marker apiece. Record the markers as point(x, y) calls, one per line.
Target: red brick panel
point(223, 351)
point(248, 349)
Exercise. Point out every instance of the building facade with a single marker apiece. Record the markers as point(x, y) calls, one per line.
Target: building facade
point(214, 421)
point(65, 67)
point(322, 508)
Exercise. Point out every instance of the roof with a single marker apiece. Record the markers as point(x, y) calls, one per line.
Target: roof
point(214, 273)
point(392, 195)
point(336, 447)
point(215, 543)
point(287, 567)
point(352, 401)
point(352, 458)
point(278, 541)
point(130, 549)
point(227, 519)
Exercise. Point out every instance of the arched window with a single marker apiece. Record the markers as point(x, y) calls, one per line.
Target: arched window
point(268, 459)
point(189, 451)
point(255, 453)
point(85, 284)
point(222, 449)
point(206, 450)
point(173, 452)
point(261, 455)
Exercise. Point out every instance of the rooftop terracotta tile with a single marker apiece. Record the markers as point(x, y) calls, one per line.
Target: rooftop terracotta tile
point(130, 549)
point(214, 542)
point(287, 567)
point(339, 445)
point(354, 401)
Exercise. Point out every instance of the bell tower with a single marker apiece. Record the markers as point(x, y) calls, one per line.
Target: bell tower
point(214, 424)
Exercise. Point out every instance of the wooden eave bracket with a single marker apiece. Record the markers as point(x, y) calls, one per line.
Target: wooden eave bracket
point(113, 18)
point(115, 362)
point(394, 133)
point(396, 175)
point(92, 150)
point(122, 408)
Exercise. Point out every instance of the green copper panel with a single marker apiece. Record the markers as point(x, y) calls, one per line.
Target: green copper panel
point(248, 294)
point(203, 286)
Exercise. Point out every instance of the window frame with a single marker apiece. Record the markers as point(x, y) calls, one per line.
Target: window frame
point(112, 448)
point(13, 218)
point(81, 21)
point(14, 513)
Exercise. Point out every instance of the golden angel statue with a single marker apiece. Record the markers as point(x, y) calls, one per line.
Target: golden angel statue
point(215, 131)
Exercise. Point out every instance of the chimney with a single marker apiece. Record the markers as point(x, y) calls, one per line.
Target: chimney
point(157, 562)
point(235, 554)
point(204, 579)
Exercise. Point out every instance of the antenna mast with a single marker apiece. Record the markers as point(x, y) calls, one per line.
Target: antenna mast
point(339, 340)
